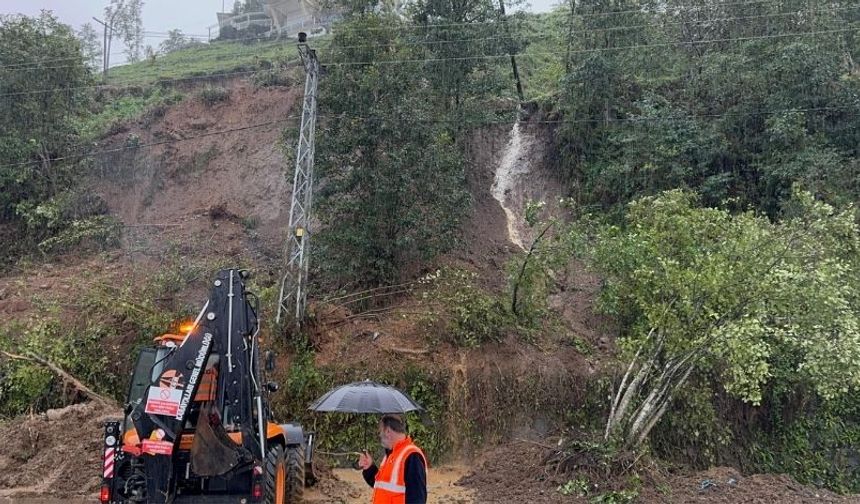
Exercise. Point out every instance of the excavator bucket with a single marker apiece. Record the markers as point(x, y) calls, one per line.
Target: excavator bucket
point(213, 453)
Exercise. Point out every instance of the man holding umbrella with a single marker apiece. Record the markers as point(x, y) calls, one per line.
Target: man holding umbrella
point(401, 478)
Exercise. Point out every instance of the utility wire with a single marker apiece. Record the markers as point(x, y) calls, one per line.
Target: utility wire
point(129, 86)
point(685, 9)
point(596, 50)
point(597, 30)
point(458, 58)
point(477, 122)
point(322, 43)
point(154, 144)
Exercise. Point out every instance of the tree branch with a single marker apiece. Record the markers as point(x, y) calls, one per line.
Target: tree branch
point(64, 375)
point(523, 267)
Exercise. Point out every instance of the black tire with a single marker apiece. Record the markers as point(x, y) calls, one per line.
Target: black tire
point(274, 458)
point(295, 474)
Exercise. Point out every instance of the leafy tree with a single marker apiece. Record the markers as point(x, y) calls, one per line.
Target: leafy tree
point(38, 127)
point(729, 99)
point(703, 289)
point(91, 46)
point(41, 200)
point(456, 37)
point(392, 181)
point(126, 18)
point(176, 41)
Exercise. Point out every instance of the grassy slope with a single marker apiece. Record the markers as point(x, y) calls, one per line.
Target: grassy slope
point(206, 59)
point(236, 59)
point(540, 72)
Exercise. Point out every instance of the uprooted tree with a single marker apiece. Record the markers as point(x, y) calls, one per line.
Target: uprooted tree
point(701, 289)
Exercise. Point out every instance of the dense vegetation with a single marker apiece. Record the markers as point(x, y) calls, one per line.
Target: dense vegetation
point(737, 101)
point(39, 129)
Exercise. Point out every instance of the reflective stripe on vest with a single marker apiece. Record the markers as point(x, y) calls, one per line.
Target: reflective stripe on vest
point(391, 487)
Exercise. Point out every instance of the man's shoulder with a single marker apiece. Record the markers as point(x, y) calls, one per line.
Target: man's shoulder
point(416, 458)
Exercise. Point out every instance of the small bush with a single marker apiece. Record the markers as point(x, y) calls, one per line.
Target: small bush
point(303, 381)
point(153, 114)
point(22, 386)
point(475, 316)
point(100, 232)
point(578, 487)
point(211, 95)
point(112, 115)
point(618, 497)
point(272, 77)
point(71, 218)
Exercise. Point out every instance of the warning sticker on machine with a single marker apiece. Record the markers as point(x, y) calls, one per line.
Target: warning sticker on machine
point(163, 401)
point(157, 447)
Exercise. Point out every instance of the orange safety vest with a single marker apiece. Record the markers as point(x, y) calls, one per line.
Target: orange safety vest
point(390, 485)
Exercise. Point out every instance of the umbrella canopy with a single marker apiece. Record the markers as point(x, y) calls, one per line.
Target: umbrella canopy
point(365, 397)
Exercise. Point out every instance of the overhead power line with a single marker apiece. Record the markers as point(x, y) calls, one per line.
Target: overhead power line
point(597, 50)
point(128, 86)
point(339, 117)
point(154, 144)
point(330, 42)
point(687, 9)
point(525, 54)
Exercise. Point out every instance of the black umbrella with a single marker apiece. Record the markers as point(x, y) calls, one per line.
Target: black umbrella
point(365, 397)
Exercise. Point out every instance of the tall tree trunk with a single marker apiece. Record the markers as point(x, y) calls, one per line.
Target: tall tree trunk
point(654, 405)
point(617, 420)
point(567, 61)
point(646, 430)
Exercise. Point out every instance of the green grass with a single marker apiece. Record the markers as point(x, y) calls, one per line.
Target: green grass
point(234, 58)
point(207, 59)
point(541, 73)
point(125, 108)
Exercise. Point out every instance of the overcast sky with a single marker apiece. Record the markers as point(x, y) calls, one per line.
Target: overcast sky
point(190, 16)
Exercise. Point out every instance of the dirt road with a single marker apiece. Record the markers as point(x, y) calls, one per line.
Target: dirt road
point(348, 487)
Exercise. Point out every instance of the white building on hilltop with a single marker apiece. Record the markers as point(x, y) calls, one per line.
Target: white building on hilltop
point(279, 18)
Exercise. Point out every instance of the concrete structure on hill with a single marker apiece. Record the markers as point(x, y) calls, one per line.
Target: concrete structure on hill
point(279, 18)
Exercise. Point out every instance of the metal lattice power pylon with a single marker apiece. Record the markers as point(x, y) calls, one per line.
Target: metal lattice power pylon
point(294, 283)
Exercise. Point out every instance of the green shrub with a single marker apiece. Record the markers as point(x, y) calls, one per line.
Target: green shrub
point(304, 381)
point(693, 432)
point(273, 77)
point(24, 386)
point(615, 497)
point(474, 316)
point(111, 113)
point(212, 95)
point(578, 487)
point(100, 232)
point(816, 443)
point(98, 347)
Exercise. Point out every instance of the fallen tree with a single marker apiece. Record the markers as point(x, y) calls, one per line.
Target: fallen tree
point(66, 377)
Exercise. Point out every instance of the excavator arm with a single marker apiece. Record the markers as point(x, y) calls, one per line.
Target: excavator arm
point(223, 336)
point(197, 426)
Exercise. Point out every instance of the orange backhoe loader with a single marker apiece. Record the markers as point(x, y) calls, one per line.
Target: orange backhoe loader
point(197, 426)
